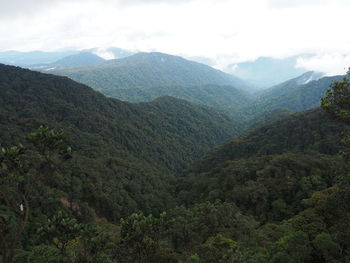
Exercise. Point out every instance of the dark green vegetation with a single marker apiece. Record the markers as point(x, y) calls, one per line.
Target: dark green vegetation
point(279, 193)
point(289, 177)
point(83, 59)
point(118, 145)
point(309, 131)
point(226, 98)
point(337, 100)
point(146, 76)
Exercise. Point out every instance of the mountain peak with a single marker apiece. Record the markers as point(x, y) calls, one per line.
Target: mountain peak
point(308, 77)
point(82, 59)
point(145, 76)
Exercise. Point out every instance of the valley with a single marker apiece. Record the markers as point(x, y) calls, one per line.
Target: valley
point(168, 160)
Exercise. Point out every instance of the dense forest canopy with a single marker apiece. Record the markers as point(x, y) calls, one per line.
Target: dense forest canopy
point(144, 77)
point(124, 153)
point(85, 178)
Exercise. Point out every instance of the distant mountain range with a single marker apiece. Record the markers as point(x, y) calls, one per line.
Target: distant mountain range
point(111, 52)
point(23, 59)
point(83, 59)
point(298, 94)
point(32, 58)
point(145, 76)
point(266, 72)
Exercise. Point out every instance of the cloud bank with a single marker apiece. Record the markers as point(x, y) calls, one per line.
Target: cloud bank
point(331, 64)
point(222, 31)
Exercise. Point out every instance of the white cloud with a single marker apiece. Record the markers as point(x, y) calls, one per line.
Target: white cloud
point(223, 31)
point(299, 3)
point(332, 64)
point(103, 53)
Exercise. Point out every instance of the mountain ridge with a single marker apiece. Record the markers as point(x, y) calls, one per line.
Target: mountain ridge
point(117, 144)
point(77, 60)
point(143, 71)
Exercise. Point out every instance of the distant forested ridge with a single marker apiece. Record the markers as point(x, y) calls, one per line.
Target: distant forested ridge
point(294, 95)
point(143, 76)
point(82, 59)
point(146, 76)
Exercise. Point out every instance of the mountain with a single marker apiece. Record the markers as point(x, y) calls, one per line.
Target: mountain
point(35, 58)
point(111, 52)
point(143, 76)
point(290, 176)
point(279, 193)
point(295, 94)
point(18, 58)
point(306, 78)
point(303, 79)
point(227, 98)
point(309, 131)
point(133, 148)
point(266, 72)
point(82, 59)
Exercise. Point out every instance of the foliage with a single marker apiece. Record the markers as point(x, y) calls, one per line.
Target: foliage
point(337, 100)
point(280, 193)
point(22, 175)
point(59, 231)
point(124, 153)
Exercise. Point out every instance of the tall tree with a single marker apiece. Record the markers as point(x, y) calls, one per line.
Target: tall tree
point(22, 170)
point(337, 100)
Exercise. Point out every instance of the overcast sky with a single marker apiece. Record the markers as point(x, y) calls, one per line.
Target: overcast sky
point(225, 31)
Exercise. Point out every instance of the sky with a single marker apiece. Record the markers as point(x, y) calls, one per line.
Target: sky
point(223, 31)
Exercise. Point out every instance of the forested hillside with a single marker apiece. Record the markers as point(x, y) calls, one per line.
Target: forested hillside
point(294, 95)
point(119, 184)
point(145, 76)
point(113, 140)
point(227, 98)
point(291, 176)
point(309, 131)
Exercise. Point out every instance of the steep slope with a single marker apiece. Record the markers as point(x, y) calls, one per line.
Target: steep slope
point(290, 176)
point(269, 171)
point(295, 96)
point(117, 144)
point(227, 98)
point(83, 59)
point(310, 131)
point(142, 76)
